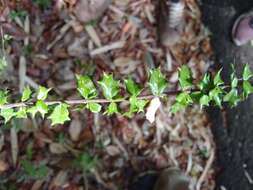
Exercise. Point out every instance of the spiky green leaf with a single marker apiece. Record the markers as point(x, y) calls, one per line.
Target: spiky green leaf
point(94, 107)
point(42, 93)
point(42, 108)
point(110, 86)
point(86, 87)
point(26, 94)
point(232, 97)
point(21, 113)
point(247, 89)
point(247, 73)
point(7, 114)
point(217, 79)
point(157, 82)
point(3, 97)
point(185, 77)
point(112, 108)
point(60, 114)
point(132, 87)
point(204, 101)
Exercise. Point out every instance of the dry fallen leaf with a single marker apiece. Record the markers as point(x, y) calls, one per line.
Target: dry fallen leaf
point(152, 109)
point(3, 166)
point(75, 130)
point(57, 148)
point(14, 145)
point(112, 150)
point(87, 10)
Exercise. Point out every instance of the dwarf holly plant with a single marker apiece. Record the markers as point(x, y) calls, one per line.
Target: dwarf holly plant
point(107, 94)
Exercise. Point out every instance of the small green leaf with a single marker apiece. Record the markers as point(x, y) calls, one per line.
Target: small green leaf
point(60, 114)
point(216, 95)
point(86, 87)
point(217, 79)
point(247, 74)
point(132, 87)
point(232, 97)
point(234, 82)
point(26, 94)
point(176, 107)
point(7, 114)
point(204, 101)
point(32, 110)
point(137, 105)
point(196, 96)
point(206, 83)
point(42, 93)
point(21, 113)
point(3, 97)
point(184, 98)
point(185, 77)
point(112, 108)
point(94, 107)
point(157, 82)
point(42, 108)
point(247, 89)
point(110, 87)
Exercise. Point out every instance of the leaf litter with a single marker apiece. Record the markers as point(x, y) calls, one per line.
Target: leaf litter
point(93, 150)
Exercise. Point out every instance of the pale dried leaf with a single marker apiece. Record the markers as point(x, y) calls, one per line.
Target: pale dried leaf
point(75, 129)
point(3, 166)
point(112, 150)
point(14, 145)
point(57, 148)
point(152, 109)
point(86, 10)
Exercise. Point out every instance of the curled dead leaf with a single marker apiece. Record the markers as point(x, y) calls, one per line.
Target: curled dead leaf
point(152, 109)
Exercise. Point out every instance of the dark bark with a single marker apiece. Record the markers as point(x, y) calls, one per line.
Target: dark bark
point(232, 128)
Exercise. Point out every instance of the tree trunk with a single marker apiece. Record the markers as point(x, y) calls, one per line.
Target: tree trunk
point(232, 128)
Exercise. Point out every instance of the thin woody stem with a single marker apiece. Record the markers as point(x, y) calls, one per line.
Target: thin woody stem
point(82, 101)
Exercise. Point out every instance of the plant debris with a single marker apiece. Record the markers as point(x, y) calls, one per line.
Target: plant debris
point(51, 44)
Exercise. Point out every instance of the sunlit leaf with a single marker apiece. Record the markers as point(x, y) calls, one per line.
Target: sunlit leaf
point(26, 94)
point(217, 79)
point(204, 101)
point(112, 108)
point(3, 97)
point(42, 108)
point(247, 89)
point(42, 93)
point(206, 83)
point(157, 82)
point(137, 105)
point(21, 113)
point(110, 87)
point(232, 97)
point(7, 114)
point(86, 87)
point(132, 87)
point(32, 110)
point(177, 107)
point(94, 107)
point(216, 95)
point(247, 73)
point(185, 77)
point(60, 114)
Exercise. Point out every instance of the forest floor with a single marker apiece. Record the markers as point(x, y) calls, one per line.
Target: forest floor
point(94, 151)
